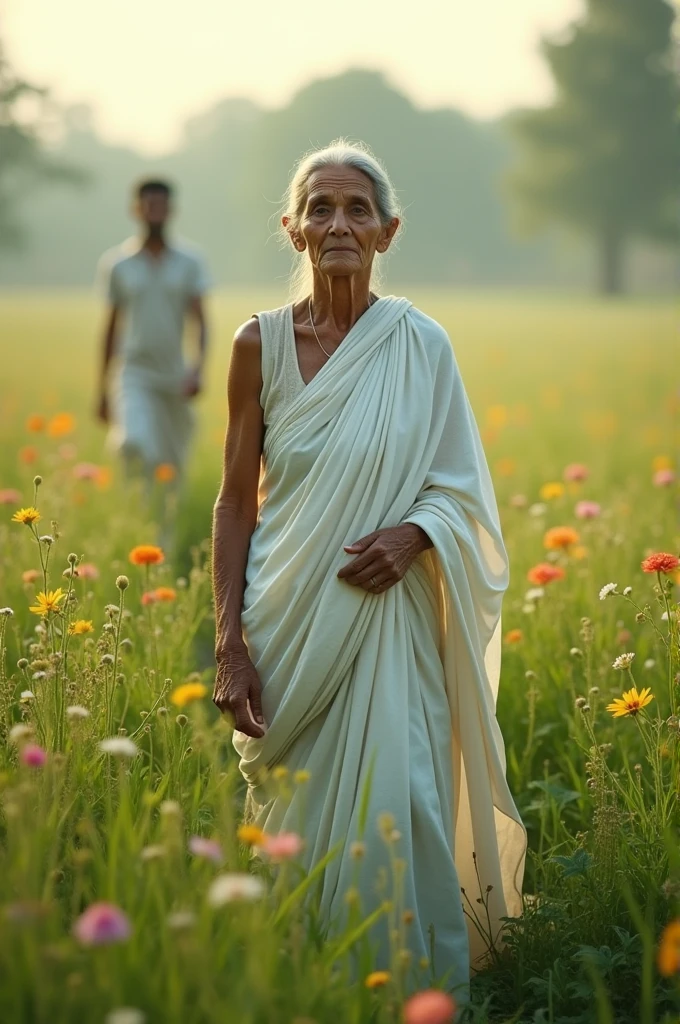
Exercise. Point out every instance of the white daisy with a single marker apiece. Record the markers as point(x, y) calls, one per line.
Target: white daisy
point(623, 661)
point(608, 588)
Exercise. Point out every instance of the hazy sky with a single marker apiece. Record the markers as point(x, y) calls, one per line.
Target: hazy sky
point(147, 65)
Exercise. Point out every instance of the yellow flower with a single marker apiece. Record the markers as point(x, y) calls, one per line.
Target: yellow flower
point(251, 834)
point(188, 692)
point(377, 979)
point(26, 516)
point(80, 626)
point(661, 462)
point(551, 490)
point(301, 776)
point(579, 552)
point(280, 772)
point(668, 954)
point(47, 602)
point(631, 702)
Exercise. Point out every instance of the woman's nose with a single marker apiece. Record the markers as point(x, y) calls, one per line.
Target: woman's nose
point(339, 225)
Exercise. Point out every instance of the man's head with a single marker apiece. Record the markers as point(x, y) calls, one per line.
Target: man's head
point(152, 202)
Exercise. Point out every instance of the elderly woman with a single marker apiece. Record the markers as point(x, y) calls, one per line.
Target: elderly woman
point(359, 570)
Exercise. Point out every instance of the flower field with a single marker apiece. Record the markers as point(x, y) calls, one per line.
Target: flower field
point(129, 892)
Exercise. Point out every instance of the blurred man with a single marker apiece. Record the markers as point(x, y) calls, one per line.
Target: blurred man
point(153, 285)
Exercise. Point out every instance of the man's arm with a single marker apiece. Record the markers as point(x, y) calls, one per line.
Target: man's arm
point(193, 383)
point(108, 351)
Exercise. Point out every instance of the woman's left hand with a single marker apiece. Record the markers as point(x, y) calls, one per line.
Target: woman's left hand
point(384, 556)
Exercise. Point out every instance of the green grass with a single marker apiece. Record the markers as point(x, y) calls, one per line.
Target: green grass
point(553, 381)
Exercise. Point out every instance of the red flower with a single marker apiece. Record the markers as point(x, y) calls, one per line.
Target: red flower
point(544, 573)
point(660, 561)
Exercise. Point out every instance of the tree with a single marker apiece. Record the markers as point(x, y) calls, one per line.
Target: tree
point(24, 162)
point(605, 156)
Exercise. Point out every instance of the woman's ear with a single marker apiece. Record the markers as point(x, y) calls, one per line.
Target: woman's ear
point(387, 234)
point(294, 235)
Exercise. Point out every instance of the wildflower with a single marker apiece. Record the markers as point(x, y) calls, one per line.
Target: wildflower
point(551, 490)
point(153, 852)
point(429, 1007)
point(661, 561)
point(74, 711)
point(209, 849)
point(27, 695)
point(188, 692)
point(357, 850)
point(85, 471)
point(28, 454)
point(575, 472)
point(534, 594)
point(280, 773)
point(181, 720)
point(170, 809)
point(27, 516)
point(623, 636)
point(125, 1015)
point(146, 554)
point(649, 663)
point(627, 591)
point(576, 652)
point(607, 589)
point(251, 835)
point(165, 594)
point(80, 626)
point(513, 636)
point(560, 537)
point(103, 478)
point(661, 462)
point(47, 539)
point(623, 661)
point(663, 478)
point(506, 467)
point(47, 602)
point(7, 612)
point(377, 979)
point(518, 501)
point(33, 755)
point(537, 510)
point(61, 424)
point(580, 702)
point(19, 732)
point(88, 571)
point(101, 924)
point(301, 776)
point(149, 597)
point(545, 573)
point(181, 919)
point(284, 846)
point(165, 473)
point(234, 886)
point(631, 702)
point(668, 954)
point(119, 746)
point(9, 496)
point(587, 510)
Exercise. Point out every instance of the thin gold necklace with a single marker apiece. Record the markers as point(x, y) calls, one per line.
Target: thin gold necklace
point(311, 320)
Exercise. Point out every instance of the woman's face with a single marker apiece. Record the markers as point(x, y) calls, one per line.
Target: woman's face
point(340, 225)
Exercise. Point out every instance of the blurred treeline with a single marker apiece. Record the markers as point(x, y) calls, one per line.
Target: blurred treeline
point(465, 185)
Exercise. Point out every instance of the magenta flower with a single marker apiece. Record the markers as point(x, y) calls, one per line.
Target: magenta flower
point(33, 755)
point(587, 510)
point(210, 849)
point(101, 924)
point(576, 472)
point(284, 846)
point(663, 478)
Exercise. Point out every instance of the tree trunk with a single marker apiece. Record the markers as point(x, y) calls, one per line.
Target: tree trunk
point(611, 261)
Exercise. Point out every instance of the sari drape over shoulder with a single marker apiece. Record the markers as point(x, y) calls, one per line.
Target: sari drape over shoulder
point(405, 680)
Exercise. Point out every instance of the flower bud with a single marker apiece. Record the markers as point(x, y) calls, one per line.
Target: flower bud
point(122, 582)
point(37, 480)
point(181, 720)
point(72, 558)
point(22, 663)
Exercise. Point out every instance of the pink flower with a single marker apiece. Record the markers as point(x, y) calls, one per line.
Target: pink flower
point(85, 471)
point(663, 477)
point(33, 755)
point(88, 571)
point(587, 510)
point(284, 846)
point(429, 1007)
point(575, 472)
point(208, 848)
point(10, 496)
point(102, 923)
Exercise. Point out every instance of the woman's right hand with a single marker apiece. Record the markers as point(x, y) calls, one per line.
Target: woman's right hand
point(238, 685)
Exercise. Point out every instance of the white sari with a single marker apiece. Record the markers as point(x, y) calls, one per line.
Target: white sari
point(384, 434)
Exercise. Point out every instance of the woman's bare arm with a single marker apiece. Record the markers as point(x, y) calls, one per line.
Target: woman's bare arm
point(234, 519)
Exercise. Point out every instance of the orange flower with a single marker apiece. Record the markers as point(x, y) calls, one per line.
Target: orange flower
point(506, 467)
point(61, 425)
point(35, 424)
point(560, 537)
point(146, 554)
point(30, 575)
point(660, 561)
point(377, 979)
point(28, 454)
point(251, 835)
point(165, 472)
point(165, 594)
point(668, 954)
point(513, 636)
point(544, 573)
point(103, 478)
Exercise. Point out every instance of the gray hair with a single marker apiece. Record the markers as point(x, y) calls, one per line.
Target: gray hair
point(340, 153)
